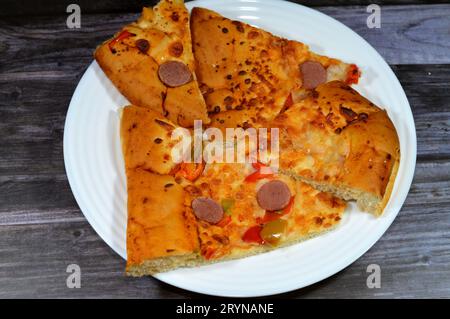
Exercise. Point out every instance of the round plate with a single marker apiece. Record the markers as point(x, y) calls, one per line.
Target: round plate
point(95, 168)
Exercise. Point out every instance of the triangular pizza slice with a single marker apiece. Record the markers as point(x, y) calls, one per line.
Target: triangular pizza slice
point(340, 142)
point(151, 62)
point(248, 75)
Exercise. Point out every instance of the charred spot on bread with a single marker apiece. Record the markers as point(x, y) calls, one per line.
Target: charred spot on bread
point(143, 45)
point(176, 49)
point(348, 113)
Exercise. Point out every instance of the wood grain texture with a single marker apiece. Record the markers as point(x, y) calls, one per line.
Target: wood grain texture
point(42, 229)
point(408, 35)
point(58, 7)
point(414, 255)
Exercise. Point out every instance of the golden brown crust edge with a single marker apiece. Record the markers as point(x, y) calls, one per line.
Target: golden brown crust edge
point(161, 231)
point(140, 88)
point(390, 186)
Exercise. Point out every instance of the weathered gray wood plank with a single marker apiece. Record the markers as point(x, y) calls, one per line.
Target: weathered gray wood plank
point(414, 256)
point(427, 89)
point(58, 7)
point(34, 259)
point(408, 35)
point(37, 199)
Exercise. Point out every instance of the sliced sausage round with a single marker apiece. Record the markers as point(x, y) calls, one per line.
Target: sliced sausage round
point(174, 73)
point(207, 209)
point(313, 74)
point(274, 195)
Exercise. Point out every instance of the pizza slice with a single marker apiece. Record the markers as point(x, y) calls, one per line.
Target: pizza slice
point(146, 140)
point(340, 142)
point(151, 62)
point(248, 75)
point(241, 212)
point(161, 231)
point(187, 214)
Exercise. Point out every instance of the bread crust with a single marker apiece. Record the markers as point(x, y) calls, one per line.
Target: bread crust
point(161, 230)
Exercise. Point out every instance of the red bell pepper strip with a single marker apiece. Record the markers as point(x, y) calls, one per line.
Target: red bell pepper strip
point(225, 221)
point(253, 177)
point(123, 35)
point(256, 176)
point(353, 74)
point(288, 208)
point(191, 171)
point(270, 216)
point(259, 165)
point(288, 102)
point(252, 235)
point(209, 253)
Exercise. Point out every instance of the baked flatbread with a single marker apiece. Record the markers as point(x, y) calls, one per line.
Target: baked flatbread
point(182, 215)
point(146, 140)
point(161, 232)
point(248, 226)
point(335, 145)
point(248, 75)
point(338, 141)
point(150, 61)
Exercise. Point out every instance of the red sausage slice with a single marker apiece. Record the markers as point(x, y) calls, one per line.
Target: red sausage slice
point(207, 209)
point(274, 195)
point(174, 73)
point(313, 74)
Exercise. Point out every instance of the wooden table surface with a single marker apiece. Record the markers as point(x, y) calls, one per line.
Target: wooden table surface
point(42, 229)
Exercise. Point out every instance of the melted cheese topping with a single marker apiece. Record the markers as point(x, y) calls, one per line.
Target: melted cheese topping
point(311, 213)
point(247, 69)
point(339, 138)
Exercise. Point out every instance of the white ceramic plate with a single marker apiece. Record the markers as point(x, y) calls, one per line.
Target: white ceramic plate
point(95, 169)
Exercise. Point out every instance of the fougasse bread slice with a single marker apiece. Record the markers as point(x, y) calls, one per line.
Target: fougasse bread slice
point(151, 62)
point(161, 230)
point(340, 142)
point(146, 138)
point(248, 75)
